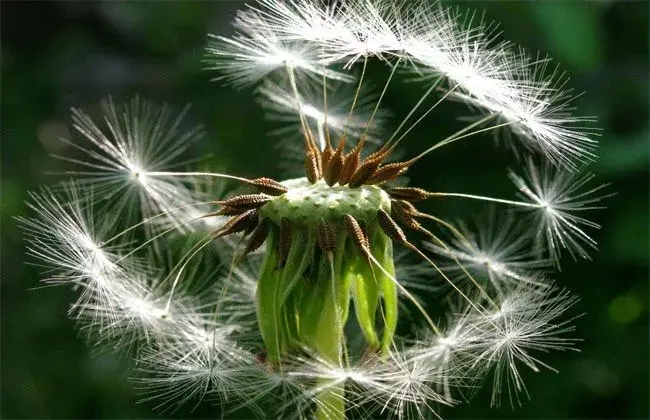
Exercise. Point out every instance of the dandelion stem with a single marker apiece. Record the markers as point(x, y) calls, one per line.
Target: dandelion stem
point(331, 345)
point(339, 312)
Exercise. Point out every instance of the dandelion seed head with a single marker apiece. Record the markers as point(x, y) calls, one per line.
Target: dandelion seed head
point(254, 308)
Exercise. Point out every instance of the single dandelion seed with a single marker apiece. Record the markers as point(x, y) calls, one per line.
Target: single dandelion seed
point(126, 154)
point(561, 197)
point(499, 249)
point(525, 322)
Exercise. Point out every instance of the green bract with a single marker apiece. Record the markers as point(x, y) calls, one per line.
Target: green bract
point(303, 297)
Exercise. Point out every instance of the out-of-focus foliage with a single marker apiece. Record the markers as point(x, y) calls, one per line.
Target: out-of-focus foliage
point(61, 54)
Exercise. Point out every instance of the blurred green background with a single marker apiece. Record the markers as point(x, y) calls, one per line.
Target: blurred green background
point(61, 54)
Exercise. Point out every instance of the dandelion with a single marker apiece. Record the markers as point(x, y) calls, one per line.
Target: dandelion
point(288, 296)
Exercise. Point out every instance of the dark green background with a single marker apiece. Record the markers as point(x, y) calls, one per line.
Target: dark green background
point(56, 55)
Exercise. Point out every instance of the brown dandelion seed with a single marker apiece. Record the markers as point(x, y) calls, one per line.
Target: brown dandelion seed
point(350, 165)
point(284, 242)
point(245, 201)
point(381, 154)
point(326, 237)
point(312, 167)
point(258, 237)
point(388, 172)
point(406, 207)
point(268, 186)
point(359, 238)
point(409, 193)
point(229, 211)
point(251, 227)
point(405, 215)
point(313, 145)
point(333, 172)
point(326, 155)
point(391, 229)
point(239, 223)
point(365, 172)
